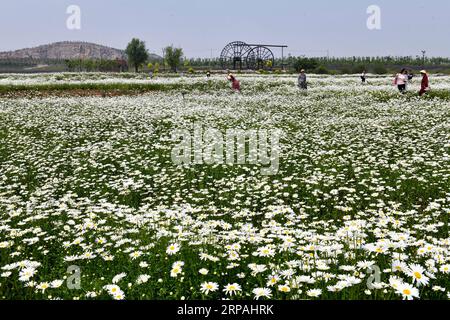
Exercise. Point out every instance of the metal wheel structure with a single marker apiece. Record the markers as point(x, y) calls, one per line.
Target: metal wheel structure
point(239, 55)
point(260, 57)
point(233, 55)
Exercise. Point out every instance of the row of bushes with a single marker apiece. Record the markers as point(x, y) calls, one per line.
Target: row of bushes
point(135, 87)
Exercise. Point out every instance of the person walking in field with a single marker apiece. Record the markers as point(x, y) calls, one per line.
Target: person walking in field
point(363, 77)
point(401, 79)
point(425, 85)
point(235, 84)
point(302, 84)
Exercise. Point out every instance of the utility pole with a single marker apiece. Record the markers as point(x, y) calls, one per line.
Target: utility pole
point(80, 56)
point(164, 60)
point(423, 58)
point(210, 60)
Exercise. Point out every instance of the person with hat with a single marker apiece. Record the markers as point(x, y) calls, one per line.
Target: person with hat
point(425, 85)
point(302, 80)
point(235, 84)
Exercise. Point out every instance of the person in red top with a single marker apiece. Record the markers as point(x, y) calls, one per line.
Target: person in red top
point(424, 87)
point(234, 82)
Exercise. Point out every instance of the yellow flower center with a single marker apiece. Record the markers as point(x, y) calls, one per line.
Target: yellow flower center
point(406, 292)
point(417, 275)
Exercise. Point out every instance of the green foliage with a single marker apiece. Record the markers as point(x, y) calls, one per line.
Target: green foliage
point(345, 70)
point(156, 69)
point(305, 63)
point(379, 69)
point(359, 68)
point(172, 57)
point(321, 70)
point(91, 65)
point(342, 65)
point(137, 53)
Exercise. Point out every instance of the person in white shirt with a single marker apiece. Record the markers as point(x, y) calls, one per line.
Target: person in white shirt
point(401, 79)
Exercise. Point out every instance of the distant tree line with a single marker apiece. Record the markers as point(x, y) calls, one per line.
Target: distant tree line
point(18, 62)
point(139, 59)
point(343, 65)
point(99, 65)
point(28, 62)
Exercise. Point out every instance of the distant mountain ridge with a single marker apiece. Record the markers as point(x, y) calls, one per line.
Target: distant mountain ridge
point(68, 50)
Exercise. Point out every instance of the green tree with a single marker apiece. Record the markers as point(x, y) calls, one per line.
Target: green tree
point(71, 65)
point(172, 57)
point(88, 65)
point(359, 68)
point(379, 69)
point(321, 70)
point(137, 53)
point(305, 63)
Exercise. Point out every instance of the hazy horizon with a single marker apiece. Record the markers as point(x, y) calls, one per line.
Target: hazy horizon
point(202, 28)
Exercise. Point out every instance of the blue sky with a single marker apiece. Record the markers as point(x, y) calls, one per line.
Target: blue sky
point(203, 27)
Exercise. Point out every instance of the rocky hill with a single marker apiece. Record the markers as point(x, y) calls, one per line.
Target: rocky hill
point(67, 50)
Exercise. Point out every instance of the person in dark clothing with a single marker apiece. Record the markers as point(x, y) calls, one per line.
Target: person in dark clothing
point(363, 76)
point(425, 85)
point(302, 84)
